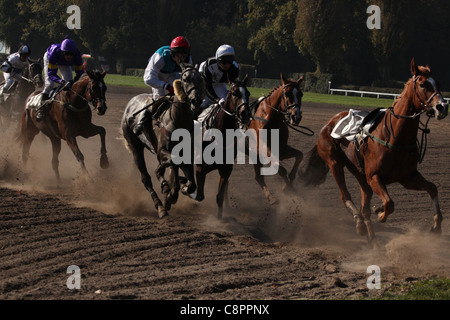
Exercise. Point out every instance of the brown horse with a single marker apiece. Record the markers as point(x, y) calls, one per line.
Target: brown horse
point(233, 114)
point(278, 110)
point(68, 116)
point(389, 154)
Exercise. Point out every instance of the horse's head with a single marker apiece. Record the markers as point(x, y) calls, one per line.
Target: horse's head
point(35, 73)
point(292, 99)
point(237, 101)
point(97, 90)
point(427, 92)
point(192, 85)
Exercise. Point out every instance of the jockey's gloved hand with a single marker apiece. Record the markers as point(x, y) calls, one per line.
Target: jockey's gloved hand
point(222, 101)
point(67, 84)
point(169, 88)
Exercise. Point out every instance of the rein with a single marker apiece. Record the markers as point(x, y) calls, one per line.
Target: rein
point(308, 131)
point(422, 146)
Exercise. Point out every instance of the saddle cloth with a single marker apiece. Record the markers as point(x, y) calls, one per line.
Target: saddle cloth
point(356, 123)
point(34, 102)
point(208, 116)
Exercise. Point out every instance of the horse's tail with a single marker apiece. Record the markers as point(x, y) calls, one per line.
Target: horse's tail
point(313, 171)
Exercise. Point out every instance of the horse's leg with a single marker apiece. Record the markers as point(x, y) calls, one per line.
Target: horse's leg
point(56, 149)
point(418, 182)
point(73, 145)
point(137, 148)
point(94, 130)
point(200, 176)
point(164, 163)
point(190, 185)
point(174, 184)
point(262, 183)
point(379, 188)
point(298, 155)
point(224, 172)
point(29, 131)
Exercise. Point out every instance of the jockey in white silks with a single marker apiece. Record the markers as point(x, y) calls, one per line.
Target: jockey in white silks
point(13, 68)
point(218, 71)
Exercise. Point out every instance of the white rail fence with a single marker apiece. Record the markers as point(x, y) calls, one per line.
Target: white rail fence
point(368, 93)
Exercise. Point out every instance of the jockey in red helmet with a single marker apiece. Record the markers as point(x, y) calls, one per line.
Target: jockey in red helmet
point(162, 70)
point(163, 66)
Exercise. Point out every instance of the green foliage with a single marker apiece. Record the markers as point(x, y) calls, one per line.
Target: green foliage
point(434, 288)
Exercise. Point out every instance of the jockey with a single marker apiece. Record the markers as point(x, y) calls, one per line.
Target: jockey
point(218, 71)
point(163, 69)
point(62, 57)
point(13, 67)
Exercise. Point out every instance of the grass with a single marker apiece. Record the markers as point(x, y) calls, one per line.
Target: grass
point(434, 288)
point(350, 101)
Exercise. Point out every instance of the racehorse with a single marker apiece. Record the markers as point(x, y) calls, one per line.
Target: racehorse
point(232, 114)
point(278, 110)
point(69, 115)
point(388, 154)
point(31, 80)
point(189, 93)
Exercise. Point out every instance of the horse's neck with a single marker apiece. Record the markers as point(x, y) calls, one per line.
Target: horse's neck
point(404, 127)
point(78, 92)
point(180, 113)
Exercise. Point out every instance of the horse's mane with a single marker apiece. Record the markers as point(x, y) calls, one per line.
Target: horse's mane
point(426, 71)
point(278, 87)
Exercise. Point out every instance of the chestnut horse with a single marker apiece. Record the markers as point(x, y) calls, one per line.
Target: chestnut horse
point(69, 115)
point(388, 154)
point(230, 116)
point(278, 110)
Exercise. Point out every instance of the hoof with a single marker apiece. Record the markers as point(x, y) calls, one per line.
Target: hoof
point(272, 200)
point(104, 163)
point(162, 213)
point(436, 231)
point(382, 217)
point(361, 228)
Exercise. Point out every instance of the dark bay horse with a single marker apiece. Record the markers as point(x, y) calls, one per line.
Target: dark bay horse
point(233, 114)
point(189, 93)
point(389, 154)
point(11, 109)
point(276, 111)
point(68, 116)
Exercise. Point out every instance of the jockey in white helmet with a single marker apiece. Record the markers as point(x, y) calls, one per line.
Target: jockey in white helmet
point(218, 71)
point(13, 67)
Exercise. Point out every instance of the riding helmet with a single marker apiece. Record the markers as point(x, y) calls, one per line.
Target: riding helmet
point(225, 54)
point(24, 50)
point(180, 45)
point(68, 45)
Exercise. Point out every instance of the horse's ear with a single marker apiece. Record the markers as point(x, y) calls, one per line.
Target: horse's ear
point(414, 69)
point(300, 80)
point(196, 66)
point(90, 73)
point(103, 74)
point(283, 79)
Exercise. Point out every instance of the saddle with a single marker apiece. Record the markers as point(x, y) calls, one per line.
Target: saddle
point(356, 123)
point(208, 115)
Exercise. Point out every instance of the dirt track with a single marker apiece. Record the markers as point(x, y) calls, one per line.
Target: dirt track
point(306, 247)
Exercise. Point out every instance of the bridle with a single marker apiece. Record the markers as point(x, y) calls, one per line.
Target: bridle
point(235, 106)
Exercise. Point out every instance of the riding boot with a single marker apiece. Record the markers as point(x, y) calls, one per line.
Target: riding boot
point(40, 112)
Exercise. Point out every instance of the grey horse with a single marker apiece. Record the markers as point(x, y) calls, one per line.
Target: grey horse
point(177, 112)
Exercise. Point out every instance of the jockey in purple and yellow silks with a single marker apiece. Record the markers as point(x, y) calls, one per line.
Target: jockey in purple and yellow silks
point(62, 56)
